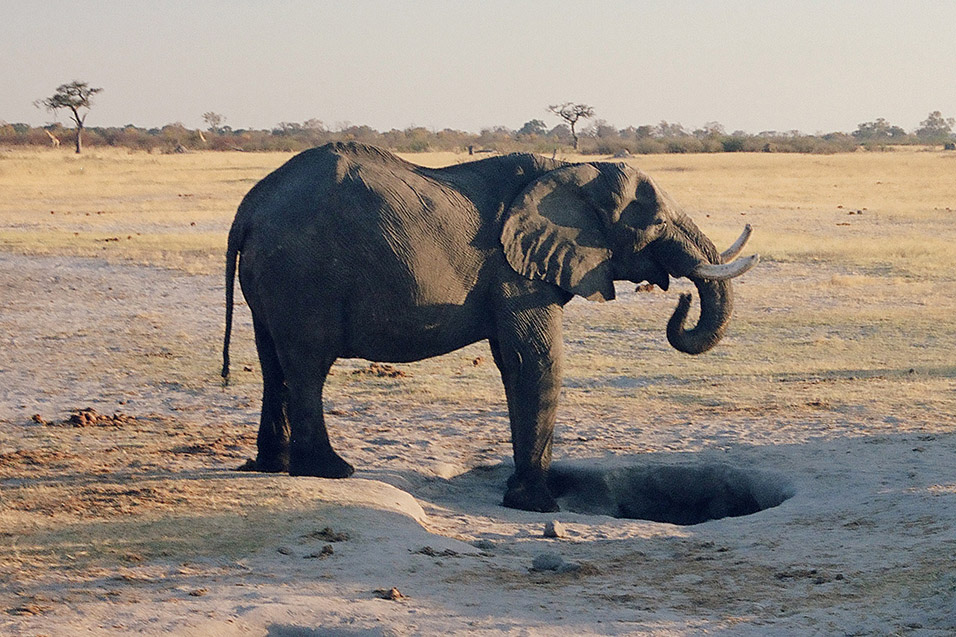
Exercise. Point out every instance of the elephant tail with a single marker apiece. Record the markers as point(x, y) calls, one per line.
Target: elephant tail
point(232, 255)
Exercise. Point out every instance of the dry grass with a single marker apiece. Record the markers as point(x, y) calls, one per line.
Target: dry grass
point(169, 210)
point(838, 292)
point(879, 211)
point(173, 210)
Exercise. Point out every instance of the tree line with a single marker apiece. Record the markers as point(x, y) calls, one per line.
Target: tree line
point(598, 137)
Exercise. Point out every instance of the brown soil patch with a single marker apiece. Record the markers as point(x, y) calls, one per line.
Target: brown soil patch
point(380, 370)
point(87, 417)
point(23, 458)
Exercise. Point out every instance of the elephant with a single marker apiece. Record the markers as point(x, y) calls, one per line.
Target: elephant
point(347, 251)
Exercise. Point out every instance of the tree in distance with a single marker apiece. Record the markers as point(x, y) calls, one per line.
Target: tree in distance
point(214, 121)
point(936, 128)
point(534, 127)
point(880, 130)
point(571, 113)
point(75, 96)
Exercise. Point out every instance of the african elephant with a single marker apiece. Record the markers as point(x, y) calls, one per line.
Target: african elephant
point(349, 251)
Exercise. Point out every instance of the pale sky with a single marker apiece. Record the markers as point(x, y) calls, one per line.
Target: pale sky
point(814, 66)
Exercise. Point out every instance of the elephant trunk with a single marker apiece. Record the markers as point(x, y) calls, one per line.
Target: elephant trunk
point(716, 306)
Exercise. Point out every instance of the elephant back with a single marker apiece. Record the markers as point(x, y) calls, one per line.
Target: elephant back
point(364, 220)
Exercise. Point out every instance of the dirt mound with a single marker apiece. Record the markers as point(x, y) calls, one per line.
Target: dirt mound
point(88, 417)
point(380, 370)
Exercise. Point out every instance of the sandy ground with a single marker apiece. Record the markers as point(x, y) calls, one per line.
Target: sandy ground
point(132, 520)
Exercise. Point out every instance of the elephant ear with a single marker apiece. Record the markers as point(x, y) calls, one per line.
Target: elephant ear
point(553, 232)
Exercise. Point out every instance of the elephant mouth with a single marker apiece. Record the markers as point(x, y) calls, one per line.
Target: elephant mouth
point(651, 272)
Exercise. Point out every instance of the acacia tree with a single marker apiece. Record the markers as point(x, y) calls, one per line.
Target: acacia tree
point(214, 121)
point(571, 113)
point(77, 98)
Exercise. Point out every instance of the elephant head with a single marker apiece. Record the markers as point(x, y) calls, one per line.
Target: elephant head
point(582, 227)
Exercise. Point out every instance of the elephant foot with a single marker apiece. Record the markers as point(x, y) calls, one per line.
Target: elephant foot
point(529, 496)
point(268, 463)
point(265, 465)
point(326, 466)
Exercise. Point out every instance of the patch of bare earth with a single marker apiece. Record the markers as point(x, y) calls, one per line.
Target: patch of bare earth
point(121, 510)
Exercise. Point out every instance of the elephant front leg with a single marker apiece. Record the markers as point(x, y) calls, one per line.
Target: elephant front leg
point(530, 365)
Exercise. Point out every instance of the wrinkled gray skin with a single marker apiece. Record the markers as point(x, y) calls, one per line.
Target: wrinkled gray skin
point(348, 251)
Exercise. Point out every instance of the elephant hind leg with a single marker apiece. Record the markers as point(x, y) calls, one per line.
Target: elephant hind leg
point(310, 450)
point(273, 439)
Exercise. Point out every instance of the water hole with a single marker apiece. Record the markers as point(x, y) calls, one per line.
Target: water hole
point(677, 494)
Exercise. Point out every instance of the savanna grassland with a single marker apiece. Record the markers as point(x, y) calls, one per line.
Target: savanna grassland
point(111, 291)
point(858, 249)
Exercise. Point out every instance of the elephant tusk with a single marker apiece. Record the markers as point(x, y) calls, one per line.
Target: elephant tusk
point(739, 244)
point(725, 271)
